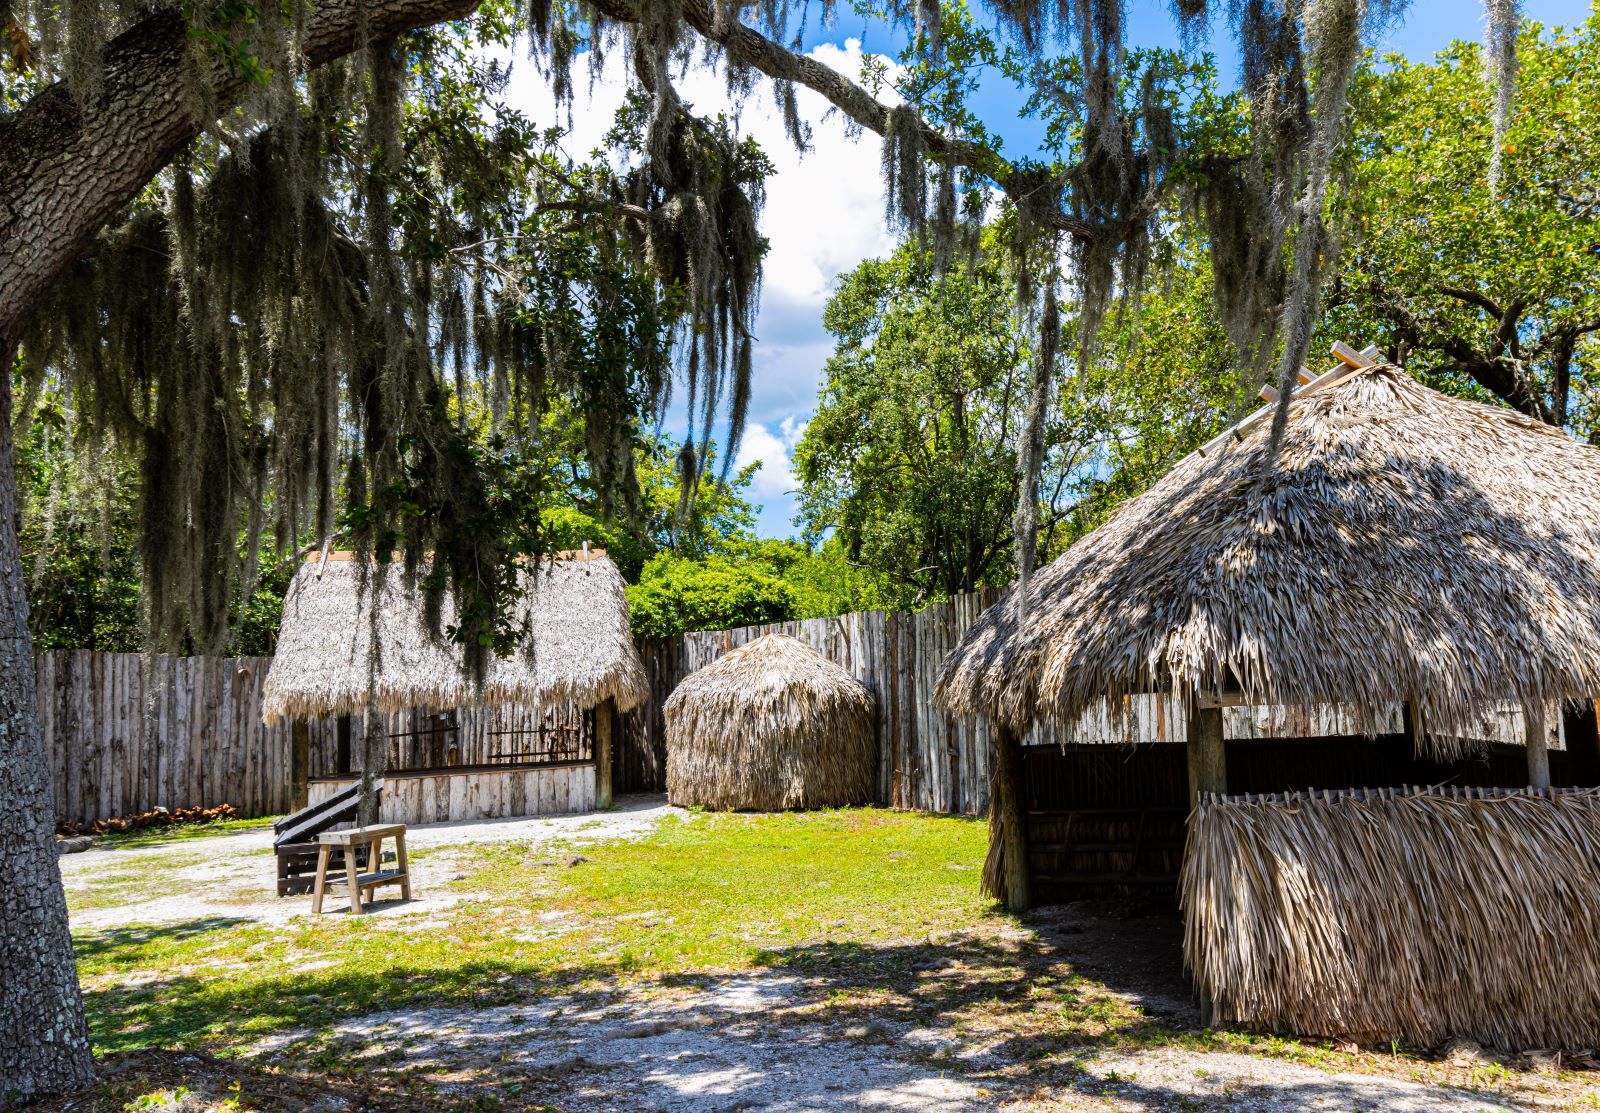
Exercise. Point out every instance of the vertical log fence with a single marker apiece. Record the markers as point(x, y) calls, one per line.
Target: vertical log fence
point(125, 733)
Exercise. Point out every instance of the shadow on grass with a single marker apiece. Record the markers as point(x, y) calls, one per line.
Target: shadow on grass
point(902, 1012)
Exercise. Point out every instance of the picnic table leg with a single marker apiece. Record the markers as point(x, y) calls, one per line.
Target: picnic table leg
point(352, 878)
point(400, 862)
point(321, 882)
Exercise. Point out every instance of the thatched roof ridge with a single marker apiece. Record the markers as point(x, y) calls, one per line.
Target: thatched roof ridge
point(579, 647)
point(1408, 546)
point(770, 725)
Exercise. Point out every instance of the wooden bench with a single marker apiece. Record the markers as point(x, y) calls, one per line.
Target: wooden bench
point(294, 839)
point(356, 843)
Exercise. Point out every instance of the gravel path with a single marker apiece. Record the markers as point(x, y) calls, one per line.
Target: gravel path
point(234, 877)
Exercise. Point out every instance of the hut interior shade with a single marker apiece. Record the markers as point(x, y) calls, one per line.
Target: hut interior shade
point(1406, 547)
point(578, 647)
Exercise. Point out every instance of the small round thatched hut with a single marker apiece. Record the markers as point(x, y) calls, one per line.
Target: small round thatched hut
point(770, 726)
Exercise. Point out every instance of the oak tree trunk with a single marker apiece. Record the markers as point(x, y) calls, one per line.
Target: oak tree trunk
point(44, 1043)
point(65, 170)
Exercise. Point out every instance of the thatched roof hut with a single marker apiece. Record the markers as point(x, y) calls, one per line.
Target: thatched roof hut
point(769, 726)
point(1408, 546)
point(579, 648)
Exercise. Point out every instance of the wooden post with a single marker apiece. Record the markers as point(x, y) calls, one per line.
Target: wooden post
point(299, 763)
point(1208, 766)
point(1538, 746)
point(605, 722)
point(1208, 772)
point(1010, 794)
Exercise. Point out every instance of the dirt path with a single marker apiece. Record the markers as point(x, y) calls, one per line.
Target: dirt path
point(736, 1045)
point(234, 876)
point(783, 1040)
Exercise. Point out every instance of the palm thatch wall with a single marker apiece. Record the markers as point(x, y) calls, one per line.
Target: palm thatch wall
point(1418, 915)
point(1408, 546)
point(769, 726)
point(578, 647)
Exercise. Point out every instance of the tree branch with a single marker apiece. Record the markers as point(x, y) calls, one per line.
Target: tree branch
point(69, 168)
point(750, 47)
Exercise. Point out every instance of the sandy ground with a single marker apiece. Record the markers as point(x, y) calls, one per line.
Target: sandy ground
point(235, 876)
point(727, 1047)
point(739, 1042)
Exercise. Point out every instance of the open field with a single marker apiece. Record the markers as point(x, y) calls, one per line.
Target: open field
point(655, 959)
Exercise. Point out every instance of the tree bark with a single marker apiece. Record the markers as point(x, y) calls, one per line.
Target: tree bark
point(69, 168)
point(44, 1042)
point(65, 170)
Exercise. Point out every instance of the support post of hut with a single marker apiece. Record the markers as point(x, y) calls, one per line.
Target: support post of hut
point(299, 763)
point(605, 731)
point(1208, 772)
point(1009, 792)
point(1538, 746)
point(1208, 769)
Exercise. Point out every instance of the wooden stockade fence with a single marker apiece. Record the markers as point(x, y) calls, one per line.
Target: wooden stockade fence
point(200, 741)
point(186, 733)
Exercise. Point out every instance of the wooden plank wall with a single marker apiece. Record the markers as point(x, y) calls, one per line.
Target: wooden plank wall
point(191, 735)
point(125, 734)
point(929, 761)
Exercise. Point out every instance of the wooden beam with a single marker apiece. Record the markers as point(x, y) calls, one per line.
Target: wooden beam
point(1538, 740)
point(1208, 767)
point(299, 763)
point(1365, 359)
point(605, 731)
point(1010, 792)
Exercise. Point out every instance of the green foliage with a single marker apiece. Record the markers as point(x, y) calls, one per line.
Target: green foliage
point(911, 455)
point(1489, 294)
point(675, 594)
point(911, 460)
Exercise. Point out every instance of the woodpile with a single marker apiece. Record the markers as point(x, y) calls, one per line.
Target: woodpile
point(1408, 914)
point(155, 817)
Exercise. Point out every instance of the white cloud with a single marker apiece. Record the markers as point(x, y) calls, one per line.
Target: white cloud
point(824, 214)
point(775, 479)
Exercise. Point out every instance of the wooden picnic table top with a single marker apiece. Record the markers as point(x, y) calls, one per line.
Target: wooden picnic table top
point(358, 835)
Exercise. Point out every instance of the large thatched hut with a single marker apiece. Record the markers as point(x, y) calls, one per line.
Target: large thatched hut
point(537, 735)
point(769, 726)
point(1412, 559)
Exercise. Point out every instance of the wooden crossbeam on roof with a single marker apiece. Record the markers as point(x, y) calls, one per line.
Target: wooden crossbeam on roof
point(1350, 362)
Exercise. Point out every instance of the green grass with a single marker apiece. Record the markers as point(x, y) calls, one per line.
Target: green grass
point(720, 892)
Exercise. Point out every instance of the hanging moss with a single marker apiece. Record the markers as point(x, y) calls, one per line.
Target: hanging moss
point(1500, 69)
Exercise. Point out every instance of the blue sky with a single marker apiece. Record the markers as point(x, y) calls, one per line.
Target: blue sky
point(825, 209)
